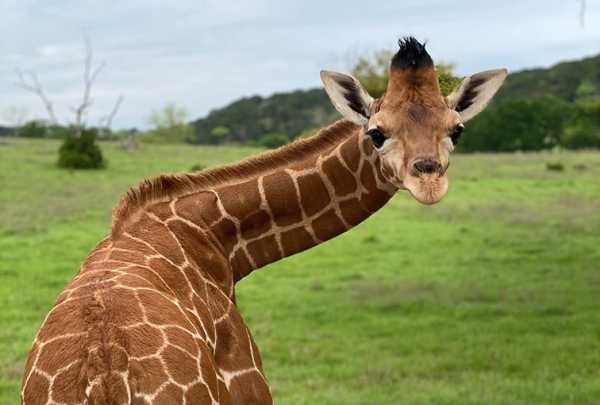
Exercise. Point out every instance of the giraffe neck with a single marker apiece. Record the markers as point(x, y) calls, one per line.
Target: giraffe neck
point(310, 199)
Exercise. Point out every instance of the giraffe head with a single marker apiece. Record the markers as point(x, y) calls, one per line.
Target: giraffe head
point(413, 127)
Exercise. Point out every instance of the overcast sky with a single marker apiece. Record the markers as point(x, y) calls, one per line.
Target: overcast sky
point(205, 54)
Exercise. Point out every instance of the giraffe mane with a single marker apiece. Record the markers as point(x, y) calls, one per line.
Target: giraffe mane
point(166, 187)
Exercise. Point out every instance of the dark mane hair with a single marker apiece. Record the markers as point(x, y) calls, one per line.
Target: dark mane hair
point(411, 55)
point(165, 187)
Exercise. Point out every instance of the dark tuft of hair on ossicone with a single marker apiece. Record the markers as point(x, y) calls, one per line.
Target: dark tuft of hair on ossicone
point(411, 55)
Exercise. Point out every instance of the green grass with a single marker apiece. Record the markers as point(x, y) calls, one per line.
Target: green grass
point(491, 296)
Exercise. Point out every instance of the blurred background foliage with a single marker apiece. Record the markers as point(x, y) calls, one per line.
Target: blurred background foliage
point(373, 73)
point(537, 109)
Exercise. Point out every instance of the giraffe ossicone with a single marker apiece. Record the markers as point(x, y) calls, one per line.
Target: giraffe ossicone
point(151, 317)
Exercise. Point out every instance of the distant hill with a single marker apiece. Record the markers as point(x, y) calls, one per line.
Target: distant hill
point(560, 80)
point(250, 118)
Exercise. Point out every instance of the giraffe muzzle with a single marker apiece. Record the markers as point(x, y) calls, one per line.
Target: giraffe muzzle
point(427, 188)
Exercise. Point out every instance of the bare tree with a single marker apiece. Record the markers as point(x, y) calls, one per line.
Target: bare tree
point(89, 76)
point(29, 81)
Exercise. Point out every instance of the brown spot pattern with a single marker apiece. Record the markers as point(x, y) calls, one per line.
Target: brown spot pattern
point(278, 187)
point(343, 181)
point(313, 194)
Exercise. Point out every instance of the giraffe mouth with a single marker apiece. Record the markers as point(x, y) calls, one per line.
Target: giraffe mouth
point(427, 188)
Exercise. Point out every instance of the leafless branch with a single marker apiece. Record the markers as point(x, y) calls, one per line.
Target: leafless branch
point(106, 120)
point(29, 81)
point(89, 76)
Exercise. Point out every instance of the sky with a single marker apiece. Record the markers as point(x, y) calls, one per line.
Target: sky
point(203, 54)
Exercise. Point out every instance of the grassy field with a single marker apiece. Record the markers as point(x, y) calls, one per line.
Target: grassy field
point(490, 297)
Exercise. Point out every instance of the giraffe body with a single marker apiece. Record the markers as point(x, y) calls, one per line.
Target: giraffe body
point(151, 317)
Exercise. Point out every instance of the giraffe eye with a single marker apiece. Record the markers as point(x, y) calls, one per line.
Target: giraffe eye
point(455, 134)
point(377, 137)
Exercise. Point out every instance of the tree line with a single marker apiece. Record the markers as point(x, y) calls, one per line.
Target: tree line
point(536, 109)
point(529, 124)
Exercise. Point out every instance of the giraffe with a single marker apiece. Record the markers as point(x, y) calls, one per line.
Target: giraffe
point(151, 316)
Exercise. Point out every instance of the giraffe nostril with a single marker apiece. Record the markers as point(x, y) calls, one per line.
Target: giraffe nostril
point(426, 166)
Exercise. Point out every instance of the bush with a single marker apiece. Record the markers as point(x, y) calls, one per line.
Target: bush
point(81, 153)
point(555, 167)
point(272, 141)
point(32, 129)
point(198, 167)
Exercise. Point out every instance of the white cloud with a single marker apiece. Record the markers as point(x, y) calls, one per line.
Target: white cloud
point(204, 54)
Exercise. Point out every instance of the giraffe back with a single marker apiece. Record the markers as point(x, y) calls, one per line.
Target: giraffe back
point(137, 326)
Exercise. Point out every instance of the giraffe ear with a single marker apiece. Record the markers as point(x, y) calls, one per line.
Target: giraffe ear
point(347, 95)
point(475, 92)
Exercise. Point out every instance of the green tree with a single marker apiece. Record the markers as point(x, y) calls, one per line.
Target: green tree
point(448, 81)
point(218, 135)
point(249, 118)
point(581, 135)
point(169, 125)
point(373, 73)
point(518, 124)
point(583, 131)
point(586, 91)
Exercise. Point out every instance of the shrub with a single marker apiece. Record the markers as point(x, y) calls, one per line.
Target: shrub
point(272, 141)
point(555, 167)
point(197, 167)
point(81, 153)
point(32, 129)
